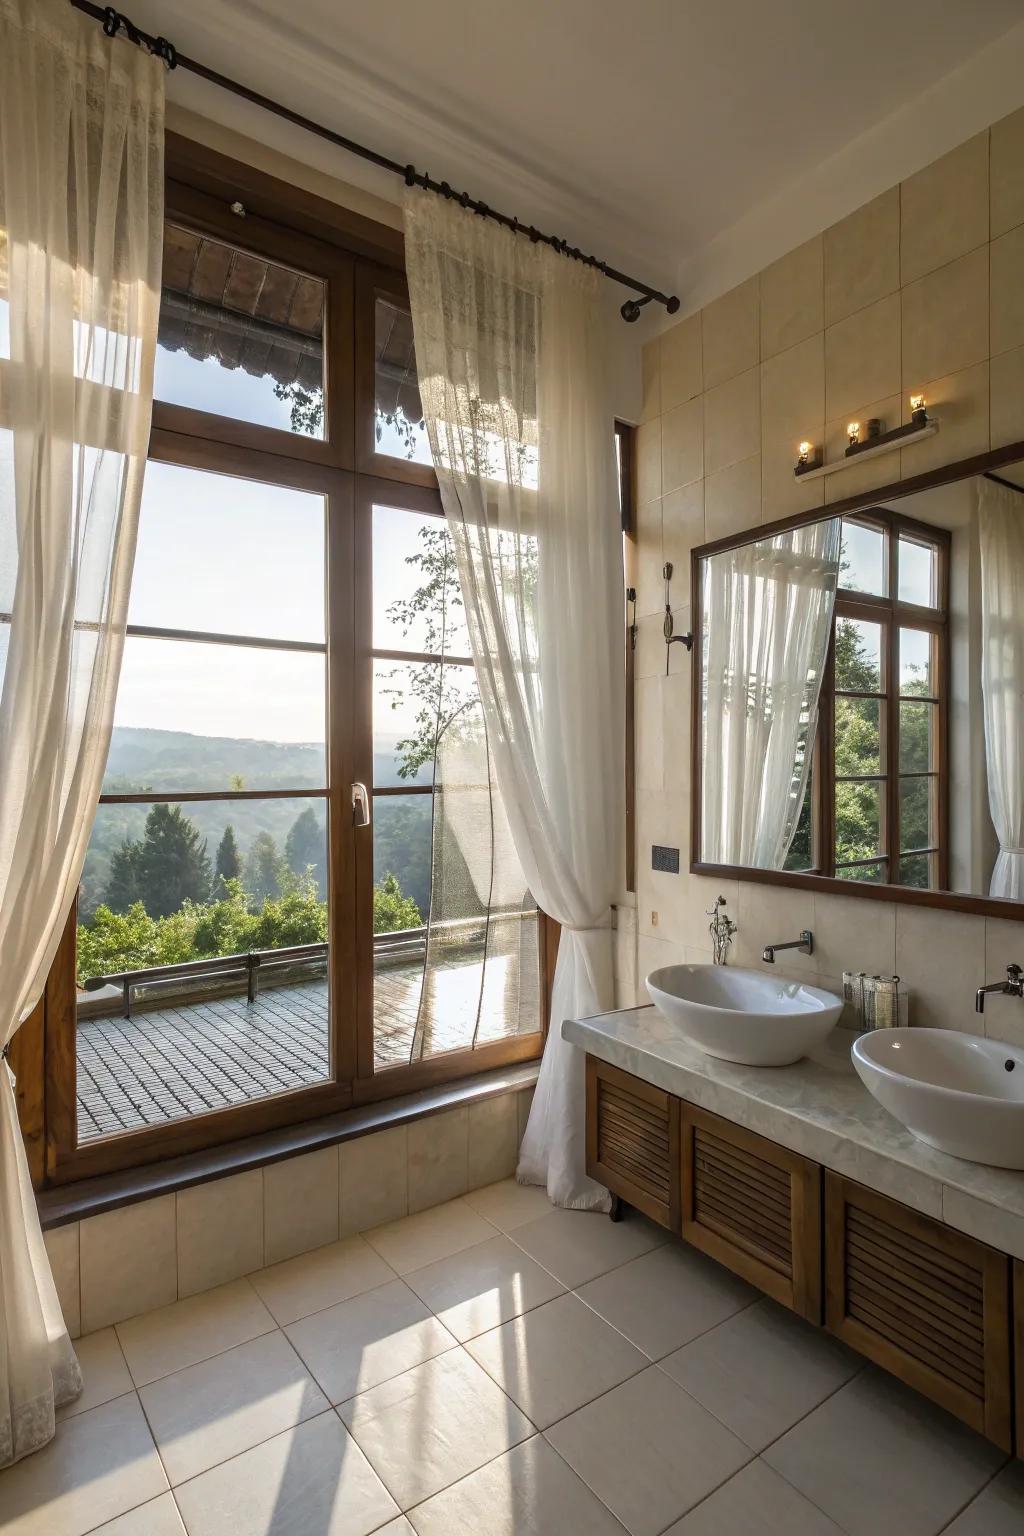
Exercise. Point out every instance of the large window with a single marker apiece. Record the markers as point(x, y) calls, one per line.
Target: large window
point(300, 889)
point(876, 804)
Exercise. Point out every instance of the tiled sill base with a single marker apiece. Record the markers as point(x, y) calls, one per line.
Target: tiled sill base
point(126, 1261)
point(493, 1365)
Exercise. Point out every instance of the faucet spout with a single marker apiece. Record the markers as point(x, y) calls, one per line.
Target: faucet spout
point(1013, 986)
point(805, 944)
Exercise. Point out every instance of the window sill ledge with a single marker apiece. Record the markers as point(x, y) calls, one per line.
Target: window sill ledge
point(91, 1197)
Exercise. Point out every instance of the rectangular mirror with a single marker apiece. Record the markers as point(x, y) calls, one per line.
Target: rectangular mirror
point(859, 703)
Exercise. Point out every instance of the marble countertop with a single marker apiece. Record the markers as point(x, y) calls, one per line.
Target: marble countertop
point(820, 1108)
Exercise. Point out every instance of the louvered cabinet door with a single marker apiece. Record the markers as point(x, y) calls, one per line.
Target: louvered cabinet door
point(633, 1141)
point(753, 1206)
point(926, 1303)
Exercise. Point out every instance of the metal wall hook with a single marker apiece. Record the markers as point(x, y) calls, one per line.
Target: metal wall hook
point(668, 623)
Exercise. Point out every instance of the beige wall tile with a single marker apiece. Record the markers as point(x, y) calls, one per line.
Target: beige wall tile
point(650, 380)
point(792, 298)
point(1003, 1018)
point(941, 958)
point(1007, 170)
point(945, 320)
point(62, 1251)
point(300, 1204)
point(1007, 299)
point(438, 1158)
point(649, 737)
point(944, 209)
point(220, 1231)
point(649, 656)
point(374, 1179)
point(732, 498)
point(675, 694)
point(732, 421)
point(525, 1097)
point(1006, 379)
point(730, 330)
point(652, 954)
point(681, 365)
point(650, 593)
point(661, 819)
point(127, 1262)
point(862, 357)
point(682, 528)
point(493, 1140)
point(682, 445)
point(862, 257)
point(648, 460)
point(768, 914)
point(860, 476)
point(961, 403)
point(854, 934)
point(792, 409)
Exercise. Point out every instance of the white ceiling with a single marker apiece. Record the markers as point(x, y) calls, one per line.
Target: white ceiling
point(643, 131)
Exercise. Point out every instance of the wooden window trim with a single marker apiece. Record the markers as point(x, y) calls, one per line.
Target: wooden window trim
point(626, 438)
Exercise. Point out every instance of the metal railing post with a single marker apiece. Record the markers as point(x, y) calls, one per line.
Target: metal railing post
point(252, 966)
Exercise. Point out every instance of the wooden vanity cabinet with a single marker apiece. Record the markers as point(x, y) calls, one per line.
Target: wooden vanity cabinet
point(1018, 1348)
point(633, 1141)
point(754, 1206)
point(923, 1301)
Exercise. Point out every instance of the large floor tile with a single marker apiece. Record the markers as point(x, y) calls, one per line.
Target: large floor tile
point(998, 1510)
point(437, 1423)
point(430, 1235)
point(159, 1517)
point(528, 1492)
point(648, 1451)
point(884, 1462)
point(509, 1204)
point(577, 1246)
point(103, 1370)
point(756, 1502)
point(195, 1329)
point(368, 1339)
point(762, 1371)
point(553, 1360)
point(667, 1297)
point(221, 1407)
point(316, 1280)
point(98, 1465)
point(483, 1286)
point(312, 1480)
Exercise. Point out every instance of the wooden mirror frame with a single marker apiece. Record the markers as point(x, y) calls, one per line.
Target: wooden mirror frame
point(951, 901)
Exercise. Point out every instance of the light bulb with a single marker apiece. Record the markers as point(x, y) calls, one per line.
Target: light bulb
point(853, 431)
point(805, 452)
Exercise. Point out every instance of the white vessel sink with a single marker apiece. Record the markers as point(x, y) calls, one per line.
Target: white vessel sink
point(957, 1092)
point(744, 1016)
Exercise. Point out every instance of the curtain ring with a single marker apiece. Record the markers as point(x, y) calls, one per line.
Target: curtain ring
point(410, 175)
point(166, 51)
point(111, 22)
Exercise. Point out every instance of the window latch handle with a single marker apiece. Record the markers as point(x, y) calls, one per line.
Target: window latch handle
point(360, 806)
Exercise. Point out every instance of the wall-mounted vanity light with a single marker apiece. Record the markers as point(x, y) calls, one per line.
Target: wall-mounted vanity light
point(668, 623)
point(869, 440)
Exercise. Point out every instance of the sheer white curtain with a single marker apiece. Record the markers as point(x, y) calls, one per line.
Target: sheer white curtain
point(767, 613)
point(513, 377)
point(1001, 541)
point(81, 197)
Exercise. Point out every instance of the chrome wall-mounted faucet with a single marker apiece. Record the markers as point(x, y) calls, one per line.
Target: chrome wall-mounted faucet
point(1013, 986)
point(805, 944)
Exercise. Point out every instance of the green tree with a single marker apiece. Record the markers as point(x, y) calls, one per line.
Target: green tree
point(305, 848)
point(167, 867)
point(228, 864)
point(124, 887)
point(392, 909)
point(265, 870)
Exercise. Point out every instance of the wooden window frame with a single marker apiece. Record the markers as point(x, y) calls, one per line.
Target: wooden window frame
point(625, 437)
point(890, 614)
point(357, 260)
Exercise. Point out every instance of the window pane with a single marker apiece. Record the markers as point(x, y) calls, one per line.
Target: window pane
point(918, 573)
point(166, 885)
point(398, 415)
point(859, 812)
point(801, 849)
point(920, 870)
point(214, 717)
point(239, 335)
point(864, 874)
point(918, 813)
point(918, 737)
point(858, 745)
point(402, 831)
point(862, 560)
point(918, 669)
point(413, 704)
point(417, 600)
point(858, 656)
point(228, 556)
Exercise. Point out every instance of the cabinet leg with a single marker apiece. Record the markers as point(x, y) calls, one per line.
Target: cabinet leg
point(615, 1214)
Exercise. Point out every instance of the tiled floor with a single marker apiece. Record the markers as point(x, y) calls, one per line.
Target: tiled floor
point(492, 1367)
point(189, 1058)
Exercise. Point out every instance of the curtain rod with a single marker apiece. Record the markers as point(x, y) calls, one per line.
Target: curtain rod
point(1008, 484)
point(115, 22)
